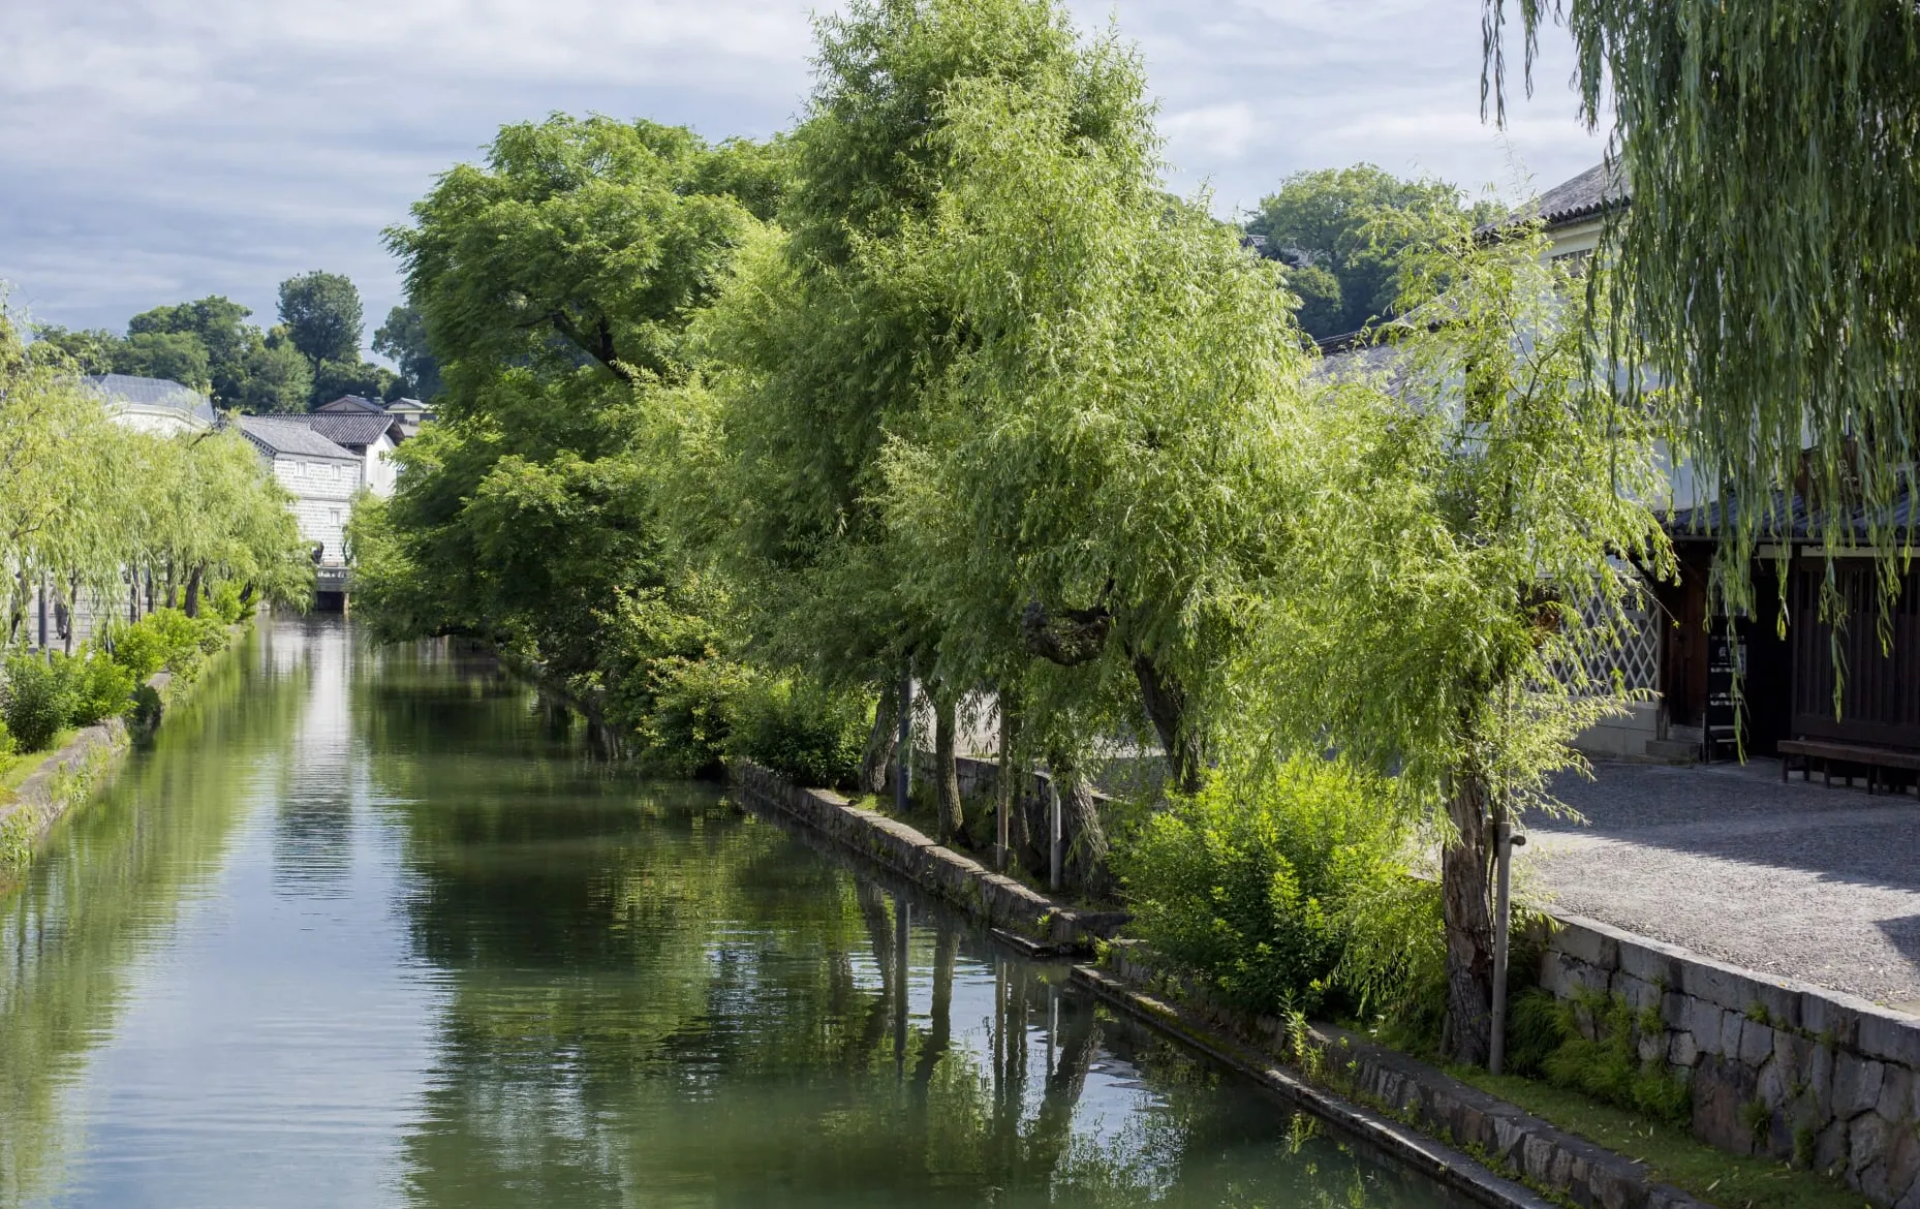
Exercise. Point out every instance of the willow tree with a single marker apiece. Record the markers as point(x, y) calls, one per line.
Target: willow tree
point(1104, 474)
point(831, 349)
point(1771, 253)
point(1453, 618)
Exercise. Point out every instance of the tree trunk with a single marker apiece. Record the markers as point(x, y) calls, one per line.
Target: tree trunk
point(1466, 866)
point(193, 592)
point(882, 741)
point(1085, 863)
point(173, 593)
point(1166, 704)
point(946, 772)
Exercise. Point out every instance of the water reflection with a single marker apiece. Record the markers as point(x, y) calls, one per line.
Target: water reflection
point(372, 931)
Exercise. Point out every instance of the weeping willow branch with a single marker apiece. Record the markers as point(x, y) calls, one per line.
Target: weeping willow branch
point(1770, 259)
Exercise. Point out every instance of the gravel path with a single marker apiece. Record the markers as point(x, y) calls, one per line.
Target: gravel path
point(1795, 879)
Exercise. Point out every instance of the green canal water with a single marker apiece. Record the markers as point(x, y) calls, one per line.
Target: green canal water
point(366, 928)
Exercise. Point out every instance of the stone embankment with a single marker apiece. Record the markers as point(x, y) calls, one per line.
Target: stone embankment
point(1001, 901)
point(1777, 1067)
point(67, 778)
point(1376, 1093)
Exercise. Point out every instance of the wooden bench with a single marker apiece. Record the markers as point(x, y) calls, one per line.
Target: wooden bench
point(1873, 759)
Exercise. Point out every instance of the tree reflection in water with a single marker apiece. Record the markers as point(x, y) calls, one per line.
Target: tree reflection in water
point(652, 999)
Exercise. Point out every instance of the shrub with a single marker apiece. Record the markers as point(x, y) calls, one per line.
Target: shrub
point(137, 649)
point(224, 603)
point(1245, 884)
point(808, 734)
point(166, 638)
point(685, 728)
point(39, 700)
point(101, 689)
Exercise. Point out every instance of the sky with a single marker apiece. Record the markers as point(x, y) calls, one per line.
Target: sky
point(155, 151)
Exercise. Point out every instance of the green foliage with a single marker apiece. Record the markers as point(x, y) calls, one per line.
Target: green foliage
point(403, 340)
point(38, 701)
point(804, 732)
point(333, 379)
point(166, 638)
point(179, 356)
point(102, 689)
point(322, 315)
point(557, 282)
point(1343, 231)
point(1591, 1045)
point(86, 351)
point(1393, 970)
point(1248, 883)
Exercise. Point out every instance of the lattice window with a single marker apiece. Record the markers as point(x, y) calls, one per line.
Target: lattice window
point(1637, 657)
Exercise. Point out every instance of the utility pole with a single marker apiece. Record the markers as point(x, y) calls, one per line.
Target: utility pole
point(1504, 842)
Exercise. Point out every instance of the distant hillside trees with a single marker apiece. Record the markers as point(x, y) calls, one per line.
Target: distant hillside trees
point(1342, 232)
point(310, 357)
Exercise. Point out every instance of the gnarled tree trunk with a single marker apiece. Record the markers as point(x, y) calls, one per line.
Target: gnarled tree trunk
point(193, 591)
point(1085, 862)
point(1166, 704)
point(1466, 866)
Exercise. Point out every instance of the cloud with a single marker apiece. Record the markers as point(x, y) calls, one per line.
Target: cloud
point(157, 150)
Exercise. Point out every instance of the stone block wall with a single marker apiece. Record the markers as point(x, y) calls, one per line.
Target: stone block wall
point(1777, 1067)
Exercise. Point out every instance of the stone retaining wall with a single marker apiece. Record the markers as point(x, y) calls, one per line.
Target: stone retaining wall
point(1001, 901)
point(1502, 1136)
point(1777, 1067)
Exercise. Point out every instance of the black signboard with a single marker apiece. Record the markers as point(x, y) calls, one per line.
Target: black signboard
point(1726, 662)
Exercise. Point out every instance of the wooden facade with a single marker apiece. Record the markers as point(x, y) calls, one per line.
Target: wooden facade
point(1787, 684)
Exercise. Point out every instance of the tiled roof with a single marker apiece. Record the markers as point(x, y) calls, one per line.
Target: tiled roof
point(1789, 519)
point(349, 427)
point(352, 403)
point(291, 435)
point(150, 392)
point(1586, 196)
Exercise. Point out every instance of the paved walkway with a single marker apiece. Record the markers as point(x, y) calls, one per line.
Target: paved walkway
point(1798, 880)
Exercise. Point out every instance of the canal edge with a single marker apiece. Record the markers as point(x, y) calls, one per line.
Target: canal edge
point(1418, 1115)
point(69, 776)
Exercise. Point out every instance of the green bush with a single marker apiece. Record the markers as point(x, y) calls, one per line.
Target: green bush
point(808, 734)
point(224, 603)
point(39, 701)
point(101, 689)
point(690, 713)
point(166, 638)
point(1246, 884)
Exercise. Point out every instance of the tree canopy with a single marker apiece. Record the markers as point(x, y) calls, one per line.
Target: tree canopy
point(1342, 231)
point(557, 281)
point(205, 345)
point(403, 340)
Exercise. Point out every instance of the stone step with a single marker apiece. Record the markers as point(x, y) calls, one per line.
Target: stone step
point(1673, 751)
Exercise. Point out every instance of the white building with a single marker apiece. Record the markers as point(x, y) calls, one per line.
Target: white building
point(156, 405)
point(322, 476)
point(370, 436)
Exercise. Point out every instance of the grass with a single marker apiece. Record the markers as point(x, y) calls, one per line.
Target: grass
point(1673, 1155)
point(16, 768)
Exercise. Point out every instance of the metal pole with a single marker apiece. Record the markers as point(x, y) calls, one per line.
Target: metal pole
point(1505, 841)
point(44, 652)
point(903, 762)
point(1053, 825)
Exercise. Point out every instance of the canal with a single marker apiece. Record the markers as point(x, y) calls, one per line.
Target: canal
point(366, 928)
